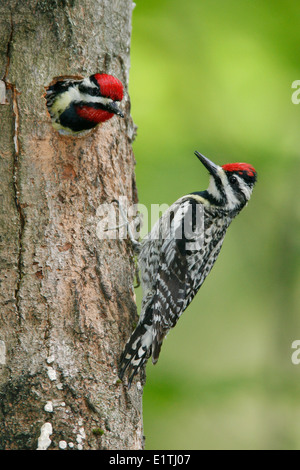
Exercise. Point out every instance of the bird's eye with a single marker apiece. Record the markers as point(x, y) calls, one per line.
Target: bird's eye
point(233, 179)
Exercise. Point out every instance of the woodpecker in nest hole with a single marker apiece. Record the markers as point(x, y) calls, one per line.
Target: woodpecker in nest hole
point(76, 106)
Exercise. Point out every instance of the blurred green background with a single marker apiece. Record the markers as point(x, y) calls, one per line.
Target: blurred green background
point(216, 76)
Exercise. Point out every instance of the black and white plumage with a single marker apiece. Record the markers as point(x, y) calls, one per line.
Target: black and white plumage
point(178, 254)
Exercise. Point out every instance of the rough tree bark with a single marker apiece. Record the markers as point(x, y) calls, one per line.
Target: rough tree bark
point(67, 299)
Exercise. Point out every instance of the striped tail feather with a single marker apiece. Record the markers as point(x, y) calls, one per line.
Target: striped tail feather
point(136, 352)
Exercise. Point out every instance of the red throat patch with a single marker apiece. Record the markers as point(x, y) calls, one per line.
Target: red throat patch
point(240, 168)
point(110, 86)
point(92, 114)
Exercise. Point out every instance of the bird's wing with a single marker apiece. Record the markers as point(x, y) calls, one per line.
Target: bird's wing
point(173, 281)
point(56, 89)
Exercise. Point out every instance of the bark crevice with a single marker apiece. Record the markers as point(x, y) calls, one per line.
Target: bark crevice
point(17, 192)
point(16, 161)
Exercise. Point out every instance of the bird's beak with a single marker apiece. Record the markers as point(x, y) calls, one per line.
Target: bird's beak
point(113, 108)
point(209, 165)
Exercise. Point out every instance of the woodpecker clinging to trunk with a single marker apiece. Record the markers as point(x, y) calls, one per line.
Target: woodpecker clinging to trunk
point(178, 254)
point(76, 106)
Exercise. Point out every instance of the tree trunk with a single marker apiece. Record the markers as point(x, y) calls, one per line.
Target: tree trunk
point(67, 299)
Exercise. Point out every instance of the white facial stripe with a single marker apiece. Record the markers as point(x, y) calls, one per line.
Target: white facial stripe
point(88, 83)
point(95, 99)
point(76, 95)
point(213, 190)
point(244, 188)
point(232, 200)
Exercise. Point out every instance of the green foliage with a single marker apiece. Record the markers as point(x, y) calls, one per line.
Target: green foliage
point(216, 77)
